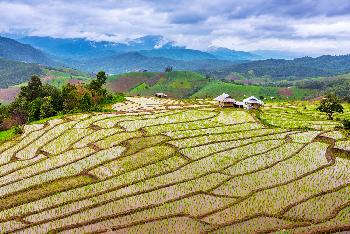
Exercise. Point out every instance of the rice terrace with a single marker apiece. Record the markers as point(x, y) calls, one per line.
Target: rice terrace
point(178, 166)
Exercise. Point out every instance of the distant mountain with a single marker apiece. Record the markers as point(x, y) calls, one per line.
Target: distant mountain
point(81, 48)
point(277, 54)
point(178, 54)
point(150, 46)
point(134, 61)
point(279, 69)
point(233, 55)
point(13, 50)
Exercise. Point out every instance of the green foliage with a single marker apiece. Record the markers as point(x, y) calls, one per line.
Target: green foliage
point(47, 109)
point(346, 124)
point(7, 135)
point(96, 86)
point(55, 94)
point(13, 73)
point(176, 84)
point(114, 98)
point(330, 105)
point(18, 110)
point(70, 98)
point(86, 102)
point(33, 90)
point(35, 109)
point(215, 88)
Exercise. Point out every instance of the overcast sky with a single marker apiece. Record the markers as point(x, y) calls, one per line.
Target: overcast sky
point(310, 26)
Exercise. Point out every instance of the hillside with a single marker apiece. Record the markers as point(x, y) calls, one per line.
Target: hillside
point(135, 61)
point(215, 88)
point(175, 84)
point(150, 46)
point(233, 55)
point(189, 84)
point(279, 69)
point(13, 73)
point(13, 50)
point(173, 166)
point(178, 54)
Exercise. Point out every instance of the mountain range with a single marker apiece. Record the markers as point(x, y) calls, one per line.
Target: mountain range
point(154, 54)
point(13, 50)
point(150, 46)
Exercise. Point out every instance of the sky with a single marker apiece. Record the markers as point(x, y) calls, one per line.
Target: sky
point(312, 27)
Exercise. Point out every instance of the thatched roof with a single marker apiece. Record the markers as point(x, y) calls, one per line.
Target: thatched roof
point(253, 100)
point(222, 97)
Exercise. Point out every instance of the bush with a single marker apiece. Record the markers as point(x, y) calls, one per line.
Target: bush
point(17, 129)
point(114, 98)
point(346, 124)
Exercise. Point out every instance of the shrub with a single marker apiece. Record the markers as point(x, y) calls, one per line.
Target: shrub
point(346, 124)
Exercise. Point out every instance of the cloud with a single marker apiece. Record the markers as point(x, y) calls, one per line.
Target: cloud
point(310, 26)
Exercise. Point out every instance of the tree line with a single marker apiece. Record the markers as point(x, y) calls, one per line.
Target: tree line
point(39, 101)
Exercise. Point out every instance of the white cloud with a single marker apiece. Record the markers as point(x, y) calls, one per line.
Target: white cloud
point(305, 25)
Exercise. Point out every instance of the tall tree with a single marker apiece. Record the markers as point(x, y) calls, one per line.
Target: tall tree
point(96, 86)
point(330, 104)
point(47, 109)
point(33, 89)
point(86, 102)
point(70, 98)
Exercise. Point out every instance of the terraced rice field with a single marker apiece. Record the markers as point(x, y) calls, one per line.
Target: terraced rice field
point(301, 115)
point(189, 170)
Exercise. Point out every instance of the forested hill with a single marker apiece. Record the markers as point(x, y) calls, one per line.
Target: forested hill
point(279, 69)
point(13, 50)
point(13, 73)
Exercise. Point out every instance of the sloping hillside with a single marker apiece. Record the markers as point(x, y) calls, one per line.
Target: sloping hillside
point(196, 169)
point(13, 50)
point(190, 84)
point(279, 69)
point(215, 88)
point(12, 73)
point(175, 84)
point(134, 61)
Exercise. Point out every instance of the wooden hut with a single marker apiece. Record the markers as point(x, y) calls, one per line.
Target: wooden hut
point(252, 103)
point(225, 100)
point(161, 95)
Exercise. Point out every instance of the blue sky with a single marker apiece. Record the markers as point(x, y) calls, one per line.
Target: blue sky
point(306, 26)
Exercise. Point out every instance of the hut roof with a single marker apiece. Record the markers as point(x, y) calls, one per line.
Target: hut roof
point(253, 100)
point(222, 97)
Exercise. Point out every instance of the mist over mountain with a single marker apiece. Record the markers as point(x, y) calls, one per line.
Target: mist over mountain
point(151, 46)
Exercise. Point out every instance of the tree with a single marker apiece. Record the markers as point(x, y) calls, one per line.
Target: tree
point(169, 69)
point(18, 111)
point(330, 105)
point(33, 89)
point(70, 98)
point(96, 86)
point(34, 109)
point(55, 94)
point(86, 102)
point(346, 124)
point(46, 108)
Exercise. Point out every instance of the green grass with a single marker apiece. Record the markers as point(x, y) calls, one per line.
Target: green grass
point(41, 121)
point(175, 84)
point(216, 88)
point(7, 135)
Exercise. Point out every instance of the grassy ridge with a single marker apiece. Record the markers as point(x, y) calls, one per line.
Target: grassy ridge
point(216, 88)
point(181, 84)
